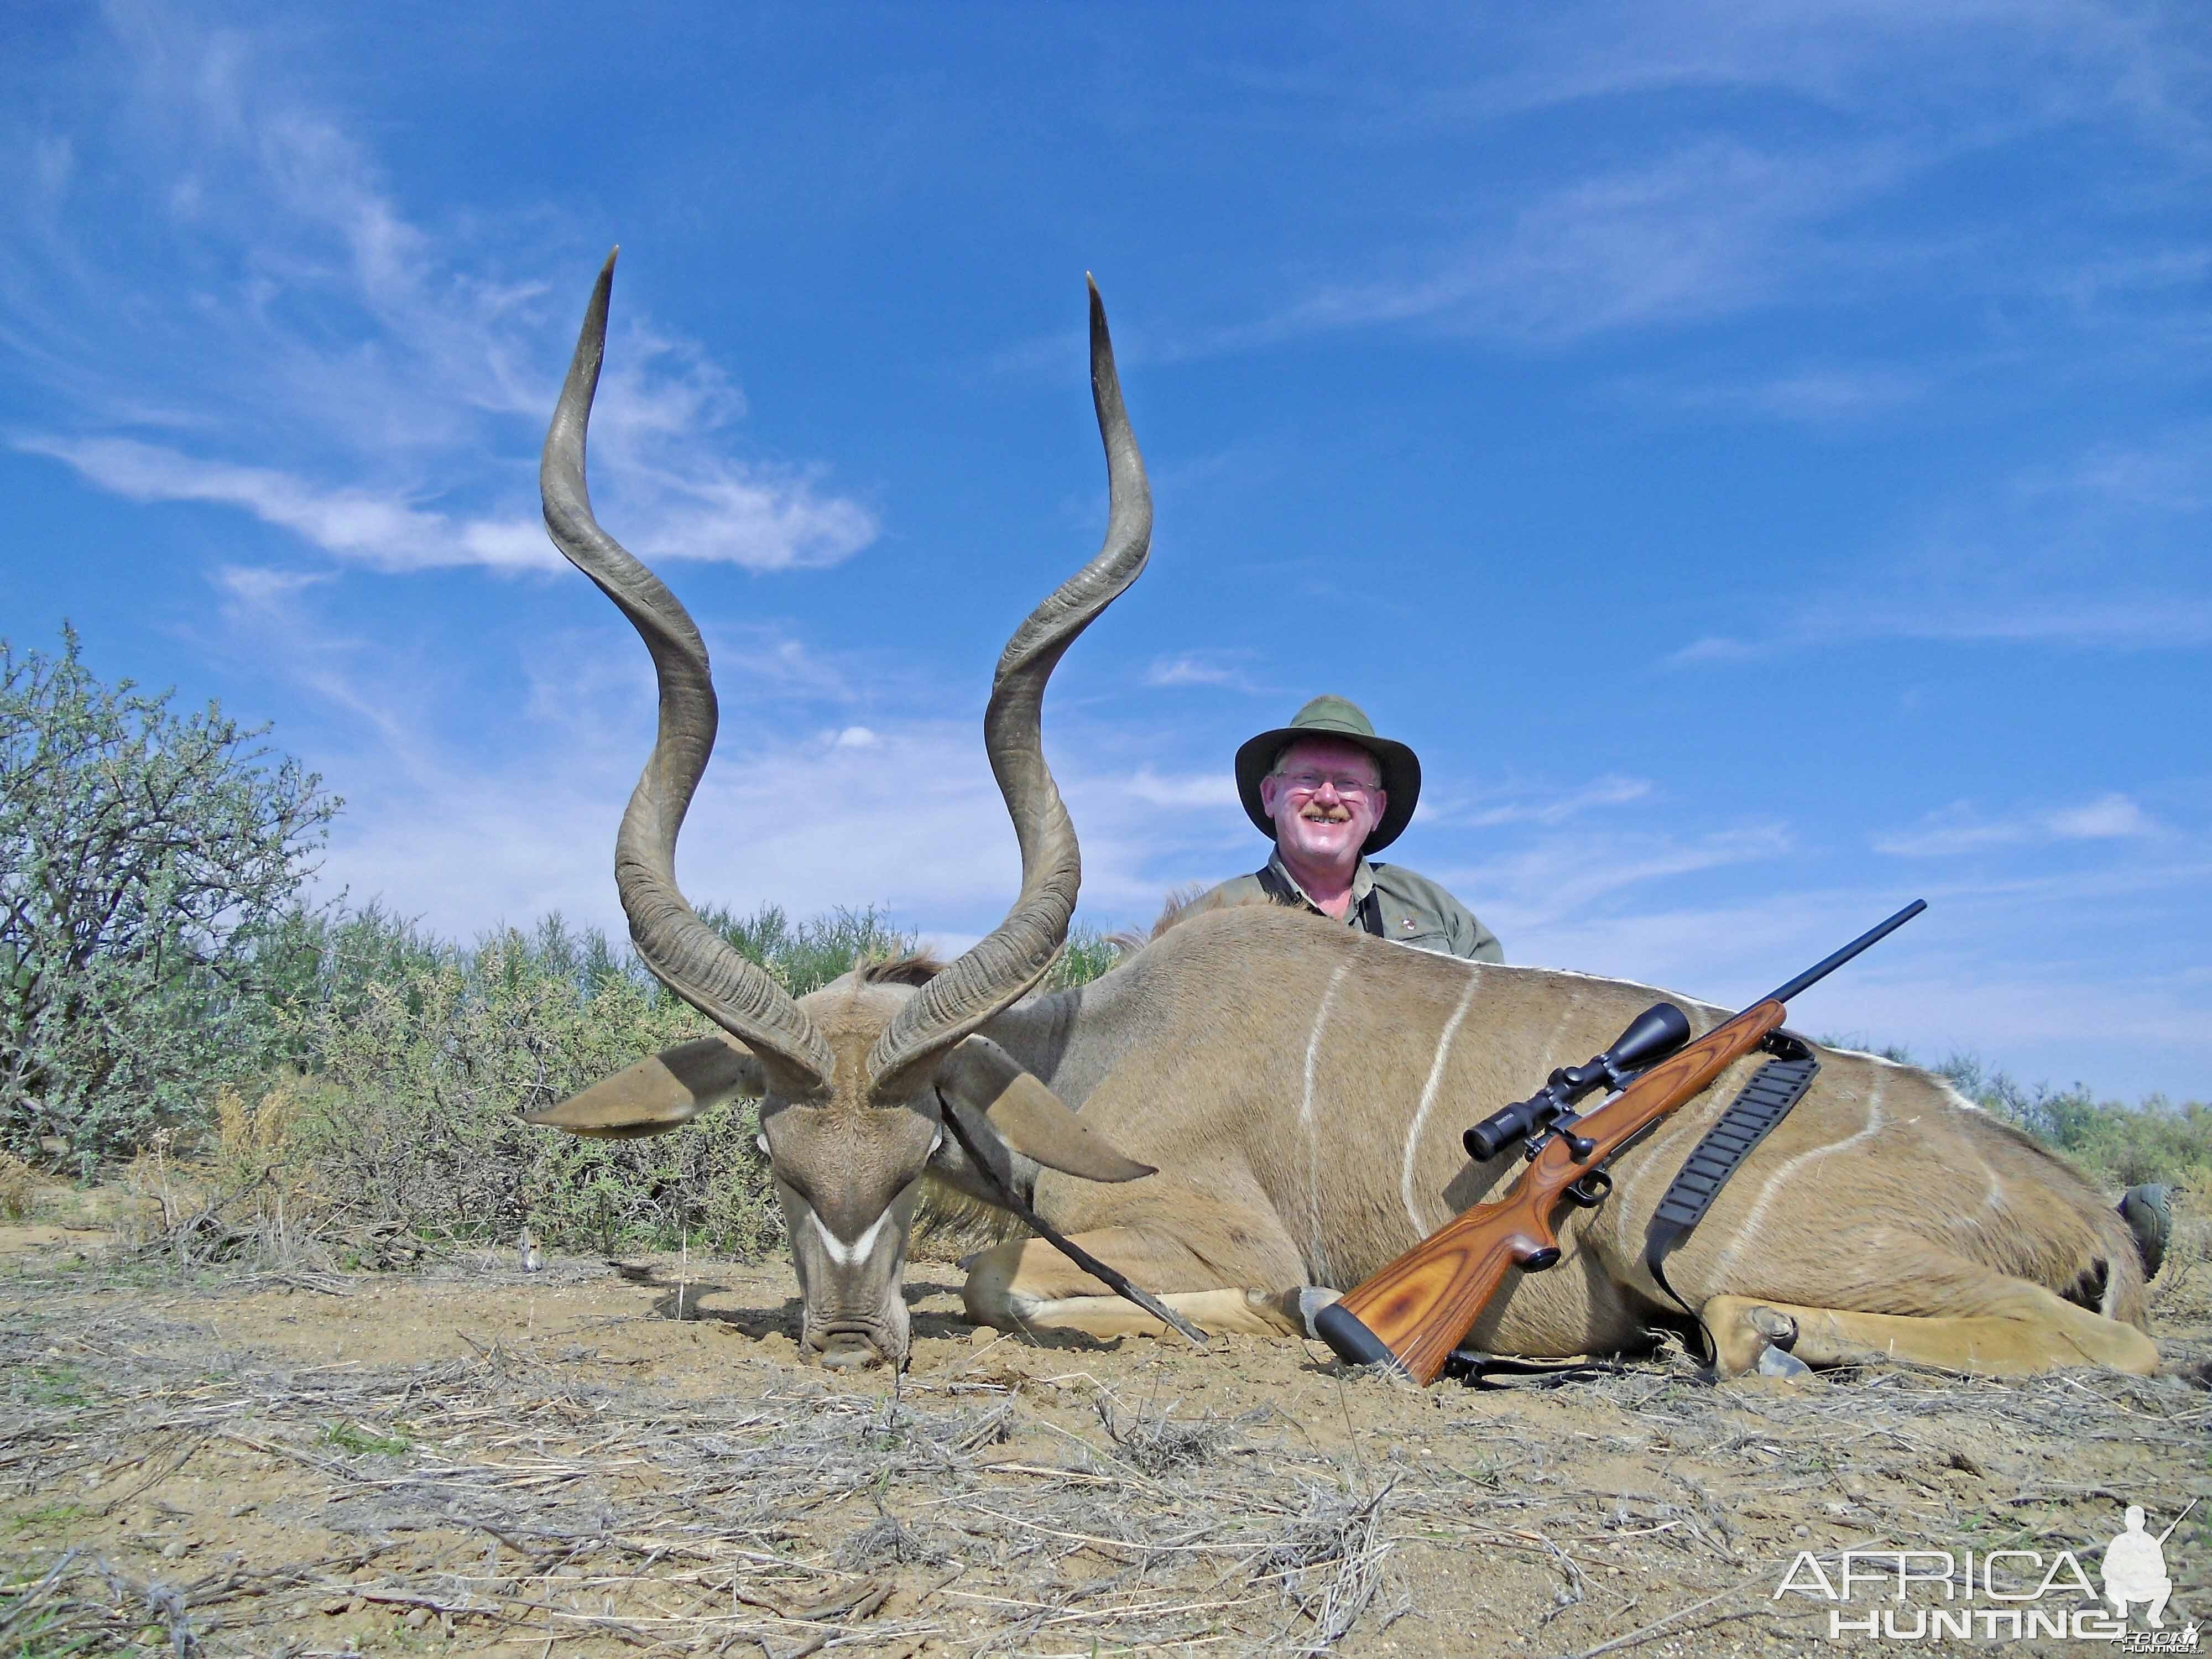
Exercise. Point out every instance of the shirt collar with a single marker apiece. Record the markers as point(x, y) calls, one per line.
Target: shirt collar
point(1363, 883)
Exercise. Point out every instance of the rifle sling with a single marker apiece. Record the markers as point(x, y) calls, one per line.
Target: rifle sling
point(1472, 1368)
point(1766, 1101)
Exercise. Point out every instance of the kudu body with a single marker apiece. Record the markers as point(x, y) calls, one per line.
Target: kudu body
point(1258, 1103)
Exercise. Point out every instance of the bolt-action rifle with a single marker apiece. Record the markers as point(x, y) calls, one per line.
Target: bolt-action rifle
point(1414, 1313)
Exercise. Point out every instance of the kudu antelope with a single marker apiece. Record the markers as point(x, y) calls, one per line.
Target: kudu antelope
point(1257, 1105)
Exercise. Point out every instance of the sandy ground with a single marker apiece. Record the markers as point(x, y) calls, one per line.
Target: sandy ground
point(604, 1459)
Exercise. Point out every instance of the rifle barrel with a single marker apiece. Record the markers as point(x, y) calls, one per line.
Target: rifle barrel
point(1820, 970)
point(2178, 1519)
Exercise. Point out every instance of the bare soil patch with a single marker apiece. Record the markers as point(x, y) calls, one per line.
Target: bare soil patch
point(600, 1459)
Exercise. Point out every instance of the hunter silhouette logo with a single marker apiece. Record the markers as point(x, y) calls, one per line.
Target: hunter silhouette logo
point(1918, 1596)
point(2135, 1569)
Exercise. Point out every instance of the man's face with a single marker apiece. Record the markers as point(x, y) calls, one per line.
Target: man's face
point(1326, 799)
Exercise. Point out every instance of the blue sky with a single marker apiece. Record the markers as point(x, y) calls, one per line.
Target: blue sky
point(1760, 455)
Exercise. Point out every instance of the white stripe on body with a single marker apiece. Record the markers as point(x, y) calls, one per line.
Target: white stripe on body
point(1781, 1177)
point(1429, 1099)
point(1317, 1259)
point(1558, 1029)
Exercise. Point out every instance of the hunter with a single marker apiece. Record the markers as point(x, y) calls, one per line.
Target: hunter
point(1328, 792)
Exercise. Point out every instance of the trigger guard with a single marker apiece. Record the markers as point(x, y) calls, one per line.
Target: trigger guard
point(1591, 1190)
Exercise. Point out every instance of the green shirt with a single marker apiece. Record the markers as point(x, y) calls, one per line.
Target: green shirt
point(1413, 910)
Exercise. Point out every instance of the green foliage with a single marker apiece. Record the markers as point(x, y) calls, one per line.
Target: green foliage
point(353, 1438)
point(47, 1517)
point(322, 963)
point(1090, 953)
point(51, 1385)
point(421, 1058)
point(806, 955)
point(2122, 1144)
point(412, 1113)
point(149, 859)
point(2115, 1143)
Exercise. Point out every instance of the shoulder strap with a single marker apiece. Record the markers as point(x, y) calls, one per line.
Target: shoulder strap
point(1370, 912)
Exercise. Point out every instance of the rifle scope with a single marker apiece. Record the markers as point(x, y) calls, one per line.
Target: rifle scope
point(1652, 1035)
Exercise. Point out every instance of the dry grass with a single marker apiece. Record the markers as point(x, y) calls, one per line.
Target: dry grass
point(168, 1485)
point(575, 1513)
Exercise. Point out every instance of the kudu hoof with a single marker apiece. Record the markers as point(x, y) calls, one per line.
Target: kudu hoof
point(1778, 1328)
point(2148, 1212)
point(1780, 1362)
point(1292, 1312)
point(1743, 1334)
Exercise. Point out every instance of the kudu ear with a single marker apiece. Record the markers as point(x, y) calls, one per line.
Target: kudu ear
point(661, 1092)
point(979, 1076)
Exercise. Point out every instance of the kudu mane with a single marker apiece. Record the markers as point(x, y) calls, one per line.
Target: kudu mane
point(916, 967)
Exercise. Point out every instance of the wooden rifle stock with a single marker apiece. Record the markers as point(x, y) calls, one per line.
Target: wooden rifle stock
point(1415, 1311)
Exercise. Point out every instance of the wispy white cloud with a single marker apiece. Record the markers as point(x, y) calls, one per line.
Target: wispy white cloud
point(1611, 790)
point(1717, 228)
point(2109, 818)
point(2100, 551)
point(2162, 622)
point(513, 813)
point(1977, 973)
point(1719, 647)
point(2067, 60)
point(2175, 622)
point(2172, 477)
point(1960, 828)
point(901, 813)
point(1213, 791)
point(1562, 874)
point(1198, 668)
point(1874, 99)
point(353, 378)
point(269, 614)
point(1831, 396)
point(348, 523)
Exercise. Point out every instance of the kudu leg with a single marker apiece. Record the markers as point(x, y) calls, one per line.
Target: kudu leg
point(2027, 1330)
point(1028, 1285)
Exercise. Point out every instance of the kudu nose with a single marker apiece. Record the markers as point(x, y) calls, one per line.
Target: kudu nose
point(844, 1351)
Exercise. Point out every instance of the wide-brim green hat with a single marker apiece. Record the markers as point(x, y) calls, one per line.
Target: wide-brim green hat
point(1334, 717)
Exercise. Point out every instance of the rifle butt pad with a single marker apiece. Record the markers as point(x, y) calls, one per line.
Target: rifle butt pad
point(1341, 1329)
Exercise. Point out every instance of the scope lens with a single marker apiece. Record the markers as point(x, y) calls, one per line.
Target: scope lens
point(1495, 1133)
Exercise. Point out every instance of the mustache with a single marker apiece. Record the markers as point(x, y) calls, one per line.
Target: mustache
point(1320, 814)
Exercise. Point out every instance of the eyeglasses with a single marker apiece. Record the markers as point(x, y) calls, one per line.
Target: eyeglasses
point(1309, 783)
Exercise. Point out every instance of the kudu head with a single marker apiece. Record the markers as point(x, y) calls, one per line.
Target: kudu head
point(856, 1080)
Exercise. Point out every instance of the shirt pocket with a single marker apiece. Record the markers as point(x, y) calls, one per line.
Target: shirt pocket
point(1429, 939)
